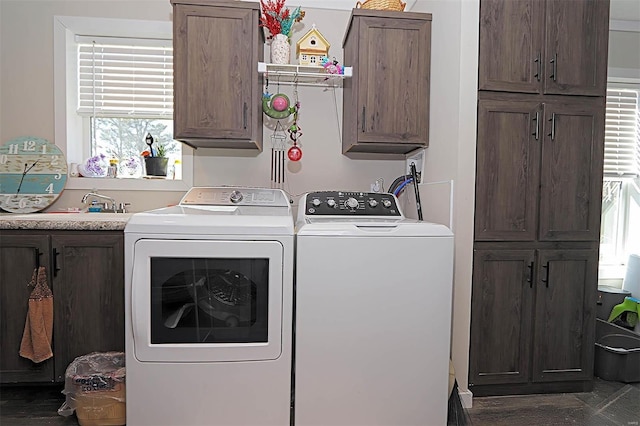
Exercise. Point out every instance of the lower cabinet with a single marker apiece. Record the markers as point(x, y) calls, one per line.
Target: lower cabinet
point(532, 320)
point(86, 275)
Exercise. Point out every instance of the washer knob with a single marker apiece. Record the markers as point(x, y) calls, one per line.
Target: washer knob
point(373, 203)
point(235, 197)
point(331, 202)
point(386, 203)
point(316, 202)
point(351, 203)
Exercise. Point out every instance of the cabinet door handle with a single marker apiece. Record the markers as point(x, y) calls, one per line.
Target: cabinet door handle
point(530, 279)
point(54, 258)
point(363, 118)
point(554, 63)
point(553, 126)
point(546, 279)
point(244, 116)
point(537, 131)
point(36, 256)
point(538, 64)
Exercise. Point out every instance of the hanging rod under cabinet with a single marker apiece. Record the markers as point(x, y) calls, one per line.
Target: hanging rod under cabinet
point(303, 74)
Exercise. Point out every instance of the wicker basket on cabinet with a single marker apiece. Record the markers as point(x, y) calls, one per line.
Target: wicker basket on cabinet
point(382, 5)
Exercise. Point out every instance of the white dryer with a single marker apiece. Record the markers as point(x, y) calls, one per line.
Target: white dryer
point(373, 313)
point(209, 290)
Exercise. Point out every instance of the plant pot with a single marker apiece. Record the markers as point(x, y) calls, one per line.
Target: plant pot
point(280, 49)
point(156, 166)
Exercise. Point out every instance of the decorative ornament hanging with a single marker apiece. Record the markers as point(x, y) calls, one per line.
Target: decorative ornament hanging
point(278, 139)
point(295, 153)
point(276, 106)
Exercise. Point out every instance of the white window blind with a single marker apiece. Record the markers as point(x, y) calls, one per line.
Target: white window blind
point(622, 133)
point(130, 78)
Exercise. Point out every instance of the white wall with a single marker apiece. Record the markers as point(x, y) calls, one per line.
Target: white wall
point(26, 108)
point(26, 69)
point(451, 155)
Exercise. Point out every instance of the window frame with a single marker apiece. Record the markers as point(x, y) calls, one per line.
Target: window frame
point(65, 29)
point(613, 268)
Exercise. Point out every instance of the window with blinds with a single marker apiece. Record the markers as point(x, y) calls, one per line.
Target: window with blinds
point(622, 133)
point(129, 78)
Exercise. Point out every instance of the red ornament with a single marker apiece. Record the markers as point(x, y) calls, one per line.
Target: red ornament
point(294, 153)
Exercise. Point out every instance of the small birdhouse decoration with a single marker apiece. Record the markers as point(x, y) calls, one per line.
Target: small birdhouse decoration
point(312, 47)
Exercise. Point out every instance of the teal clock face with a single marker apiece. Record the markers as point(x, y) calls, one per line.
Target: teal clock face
point(33, 174)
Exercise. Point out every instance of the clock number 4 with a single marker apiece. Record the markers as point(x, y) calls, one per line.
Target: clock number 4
point(49, 188)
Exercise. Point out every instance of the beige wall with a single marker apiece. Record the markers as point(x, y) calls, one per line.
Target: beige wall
point(26, 107)
point(26, 77)
point(27, 104)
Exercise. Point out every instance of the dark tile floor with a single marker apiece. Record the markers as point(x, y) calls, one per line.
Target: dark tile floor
point(610, 403)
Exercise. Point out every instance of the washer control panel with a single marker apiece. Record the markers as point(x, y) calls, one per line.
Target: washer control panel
point(229, 196)
point(348, 203)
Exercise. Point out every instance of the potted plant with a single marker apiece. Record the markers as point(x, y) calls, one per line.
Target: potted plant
point(155, 162)
point(279, 20)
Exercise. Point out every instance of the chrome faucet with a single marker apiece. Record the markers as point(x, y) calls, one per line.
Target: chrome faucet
point(110, 205)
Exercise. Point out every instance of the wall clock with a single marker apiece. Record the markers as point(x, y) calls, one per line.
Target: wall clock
point(33, 174)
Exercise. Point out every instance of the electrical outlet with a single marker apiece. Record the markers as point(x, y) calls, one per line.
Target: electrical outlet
point(417, 158)
point(378, 185)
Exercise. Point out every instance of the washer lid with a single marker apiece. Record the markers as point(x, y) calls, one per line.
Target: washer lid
point(220, 211)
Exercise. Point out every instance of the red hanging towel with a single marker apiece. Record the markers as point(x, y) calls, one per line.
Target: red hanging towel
point(38, 327)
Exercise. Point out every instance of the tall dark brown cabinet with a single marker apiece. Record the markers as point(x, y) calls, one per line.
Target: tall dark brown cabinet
point(540, 143)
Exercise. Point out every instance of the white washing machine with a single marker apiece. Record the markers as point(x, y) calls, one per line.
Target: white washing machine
point(209, 293)
point(373, 313)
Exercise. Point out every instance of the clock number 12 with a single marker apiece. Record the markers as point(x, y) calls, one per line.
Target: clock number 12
point(29, 146)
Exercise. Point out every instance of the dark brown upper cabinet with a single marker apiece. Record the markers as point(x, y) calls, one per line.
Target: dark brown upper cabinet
point(544, 46)
point(386, 102)
point(539, 169)
point(217, 95)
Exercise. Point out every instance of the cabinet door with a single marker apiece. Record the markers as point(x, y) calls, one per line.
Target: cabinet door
point(88, 276)
point(507, 170)
point(571, 171)
point(19, 256)
point(511, 38)
point(387, 103)
point(576, 45)
point(501, 308)
point(216, 77)
point(566, 288)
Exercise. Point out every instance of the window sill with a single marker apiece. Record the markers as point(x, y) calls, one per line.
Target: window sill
point(611, 272)
point(127, 184)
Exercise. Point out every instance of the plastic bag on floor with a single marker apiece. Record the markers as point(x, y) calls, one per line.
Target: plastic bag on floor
point(95, 389)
